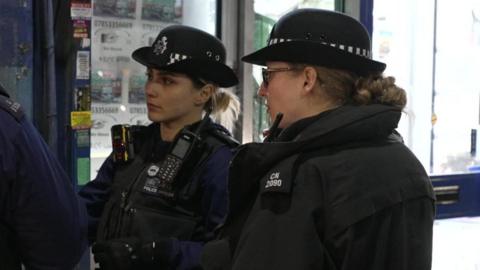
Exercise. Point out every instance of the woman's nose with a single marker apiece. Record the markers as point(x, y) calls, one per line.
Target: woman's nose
point(262, 90)
point(149, 91)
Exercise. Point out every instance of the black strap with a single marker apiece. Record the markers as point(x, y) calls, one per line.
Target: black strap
point(214, 139)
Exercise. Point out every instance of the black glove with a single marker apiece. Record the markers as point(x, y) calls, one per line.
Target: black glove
point(116, 254)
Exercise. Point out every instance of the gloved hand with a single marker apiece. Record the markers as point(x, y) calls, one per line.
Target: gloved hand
point(116, 254)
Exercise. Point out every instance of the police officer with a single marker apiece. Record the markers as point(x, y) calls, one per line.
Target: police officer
point(336, 188)
point(155, 207)
point(42, 225)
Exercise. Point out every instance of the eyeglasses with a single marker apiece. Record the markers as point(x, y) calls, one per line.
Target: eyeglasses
point(266, 76)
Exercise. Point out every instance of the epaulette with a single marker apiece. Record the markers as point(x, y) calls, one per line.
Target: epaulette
point(11, 107)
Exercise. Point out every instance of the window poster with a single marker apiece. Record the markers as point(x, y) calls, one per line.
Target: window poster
point(115, 8)
point(117, 81)
point(161, 10)
point(81, 8)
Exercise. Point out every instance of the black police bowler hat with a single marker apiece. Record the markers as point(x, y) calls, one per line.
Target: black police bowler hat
point(184, 49)
point(319, 37)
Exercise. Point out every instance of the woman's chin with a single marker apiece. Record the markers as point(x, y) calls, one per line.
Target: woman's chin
point(155, 117)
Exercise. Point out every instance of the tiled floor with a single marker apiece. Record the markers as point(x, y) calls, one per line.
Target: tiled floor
point(456, 244)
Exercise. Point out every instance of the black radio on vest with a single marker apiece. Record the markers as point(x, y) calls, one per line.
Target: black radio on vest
point(163, 177)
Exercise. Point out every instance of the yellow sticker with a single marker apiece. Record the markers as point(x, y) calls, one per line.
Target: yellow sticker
point(81, 120)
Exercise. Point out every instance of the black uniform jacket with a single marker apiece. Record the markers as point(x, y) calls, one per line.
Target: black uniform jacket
point(335, 191)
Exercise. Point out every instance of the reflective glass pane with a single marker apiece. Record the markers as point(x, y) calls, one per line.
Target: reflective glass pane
point(433, 49)
point(403, 37)
point(457, 93)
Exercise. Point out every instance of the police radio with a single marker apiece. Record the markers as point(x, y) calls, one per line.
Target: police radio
point(160, 179)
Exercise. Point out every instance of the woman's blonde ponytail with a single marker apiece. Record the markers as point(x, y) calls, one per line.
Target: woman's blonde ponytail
point(225, 108)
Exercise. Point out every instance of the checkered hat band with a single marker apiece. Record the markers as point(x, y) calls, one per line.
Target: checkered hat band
point(175, 57)
point(354, 50)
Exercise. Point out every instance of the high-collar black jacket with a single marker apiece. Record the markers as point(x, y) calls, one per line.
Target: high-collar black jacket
point(338, 190)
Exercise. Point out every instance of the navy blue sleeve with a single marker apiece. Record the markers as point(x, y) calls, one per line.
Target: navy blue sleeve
point(95, 194)
point(41, 205)
point(186, 254)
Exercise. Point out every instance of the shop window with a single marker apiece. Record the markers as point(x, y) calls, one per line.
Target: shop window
point(441, 122)
point(117, 87)
point(456, 89)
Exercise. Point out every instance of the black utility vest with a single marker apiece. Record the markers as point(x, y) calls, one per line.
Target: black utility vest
point(8, 258)
point(132, 212)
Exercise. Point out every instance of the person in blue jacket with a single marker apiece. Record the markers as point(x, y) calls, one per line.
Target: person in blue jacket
point(154, 207)
point(42, 224)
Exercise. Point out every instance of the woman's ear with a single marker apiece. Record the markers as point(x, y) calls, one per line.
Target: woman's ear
point(310, 75)
point(204, 94)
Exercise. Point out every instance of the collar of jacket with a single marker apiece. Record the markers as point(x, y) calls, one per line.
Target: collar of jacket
point(346, 124)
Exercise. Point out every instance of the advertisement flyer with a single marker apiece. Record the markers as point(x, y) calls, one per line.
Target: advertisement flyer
point(136, 92)
point(81, 8)
point(103, 117)
point(81, 28)
point(113, 42)
point(115, 8)
point(161, 10)
point(83, 65)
